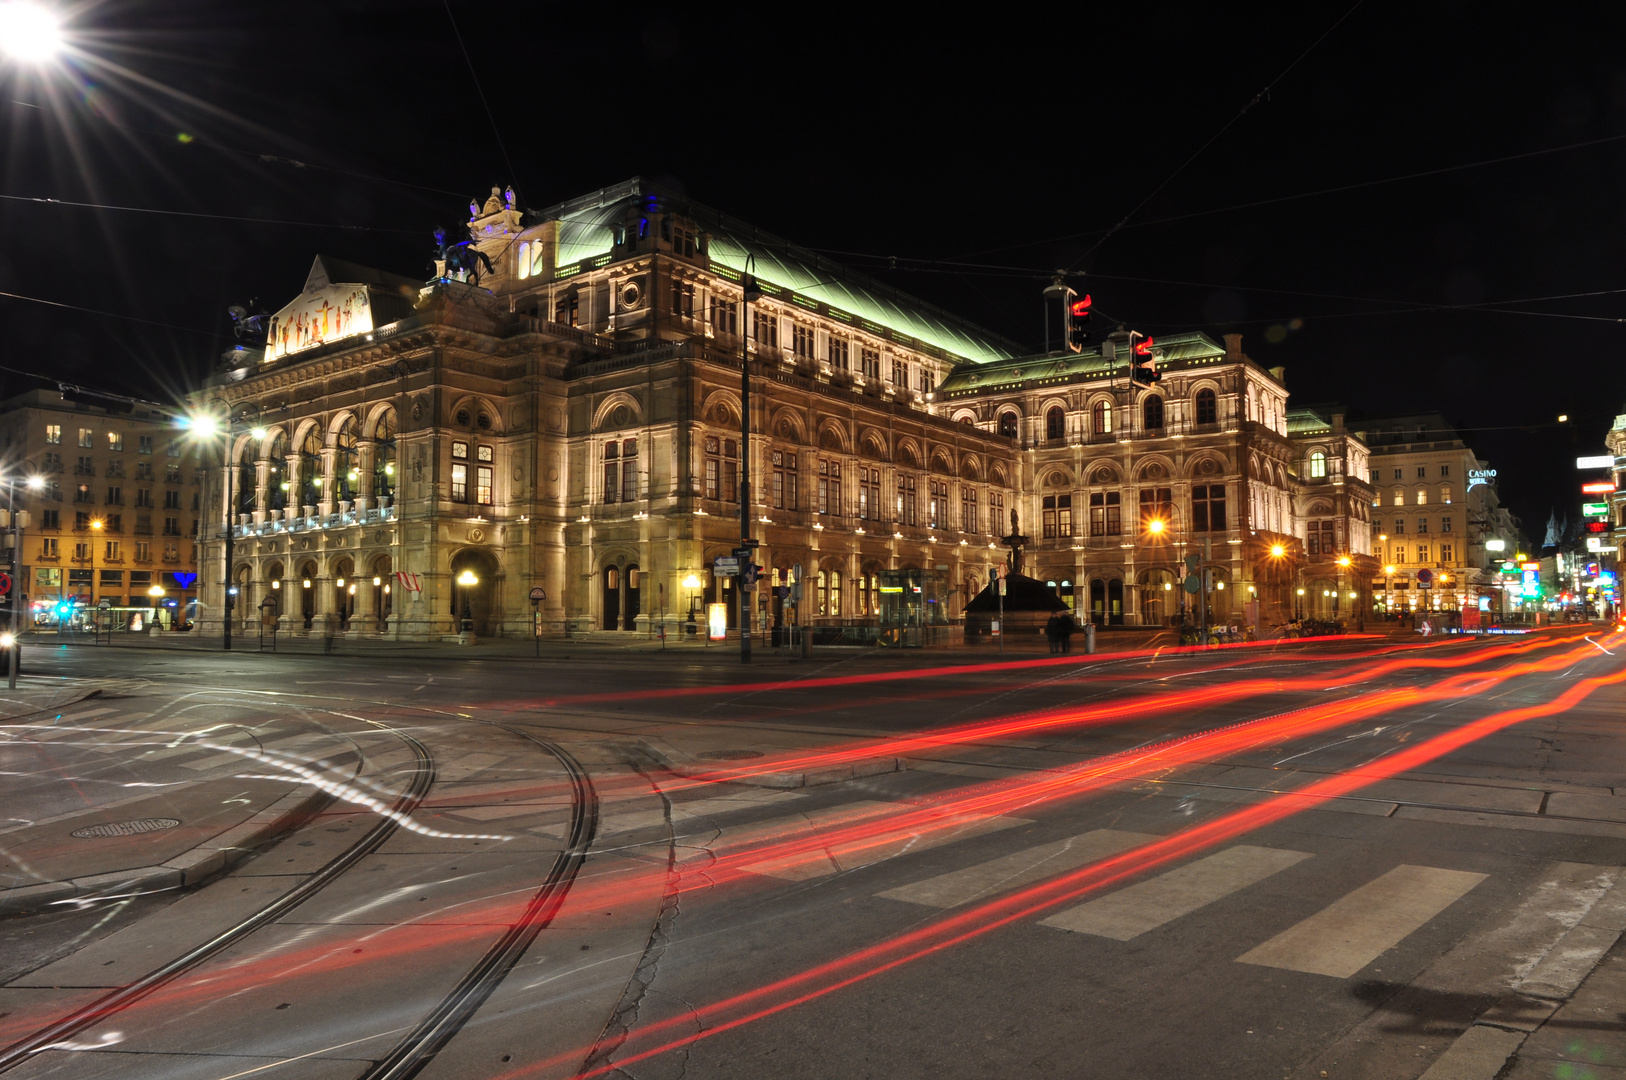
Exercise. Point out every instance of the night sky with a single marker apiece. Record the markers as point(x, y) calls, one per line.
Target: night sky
point(981, 149)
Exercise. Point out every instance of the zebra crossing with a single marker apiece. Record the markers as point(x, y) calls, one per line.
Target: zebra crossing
point(1338, 941)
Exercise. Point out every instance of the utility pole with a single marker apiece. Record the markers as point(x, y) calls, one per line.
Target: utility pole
point(747, 551)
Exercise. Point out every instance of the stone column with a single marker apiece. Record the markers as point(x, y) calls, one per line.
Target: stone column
point(365, 451)
point(326, 501)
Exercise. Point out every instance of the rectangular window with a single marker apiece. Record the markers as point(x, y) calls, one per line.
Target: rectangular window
point(1400, 526)
point(460, 451)
point(144, 444)
point(1057, 516)
point(172, 450)
point(85, 466)
point(143, 551)
point(683, 299)
point(1156, 504)
point(900, 374)
point(112, 550)
point(81, 552)
point(53, 462)
point(115, 467)
point(143, 525)
point(1445, 470)
point(1445, 552)
point(869, 493)
point(53, 433)
point(765, 329)
point(1422, 524)
point(629, 470)
point(612, 471)
point(1445, 524)
point(937, 505)
point(1422, 553)
point(81, 520)
point(172, 500)
point(731, 470)
point(1208, 508)
point(87, 437)
point(1422, 472)
point(713, 467)
point(48, 549)
point(172, 474)
point(482, 485)
point(996, 511)
point(784, 479)
point(143, 497)
point(725, 317)
point(82, 494)
point(460, 482)
point(115, 496)
point(906, 500)
point(144, 470)
point(869, 363)
point(567, 310)
point(802, 341)
point(50, 519)
point(968, 509)
point(837, 352)
point(1106, 513)
point(53, 490)
point(484, 453)
point(925, 382)
point(172, 553)
point(829, 487)
point(115, 441)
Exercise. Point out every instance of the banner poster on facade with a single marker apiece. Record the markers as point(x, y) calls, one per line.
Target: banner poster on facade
point(412, 583)
point(322, 315)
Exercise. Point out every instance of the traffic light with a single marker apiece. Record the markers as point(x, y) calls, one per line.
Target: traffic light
point(1078, 324)
point(1143, 368)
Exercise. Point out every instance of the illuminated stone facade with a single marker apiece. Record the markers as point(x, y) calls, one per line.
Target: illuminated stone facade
point(569, 427)
point(112, 493)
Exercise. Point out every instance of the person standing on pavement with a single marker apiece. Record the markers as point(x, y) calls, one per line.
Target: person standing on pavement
point(1052, 630)
point(1065, 627)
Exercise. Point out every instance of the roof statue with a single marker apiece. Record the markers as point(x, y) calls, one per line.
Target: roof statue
point(461, 261)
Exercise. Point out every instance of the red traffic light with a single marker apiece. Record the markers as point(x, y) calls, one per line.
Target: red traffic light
point(1144, 348)
point(1081, 307)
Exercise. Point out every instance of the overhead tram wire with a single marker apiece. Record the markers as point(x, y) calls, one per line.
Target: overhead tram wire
point(474, 75)
point(41, 200)
point(1262, 95)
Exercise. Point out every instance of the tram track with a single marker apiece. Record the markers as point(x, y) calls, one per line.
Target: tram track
point(442, 1023)
point(123, 997)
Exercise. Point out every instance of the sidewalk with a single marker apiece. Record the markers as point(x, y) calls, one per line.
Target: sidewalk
point(103, 802)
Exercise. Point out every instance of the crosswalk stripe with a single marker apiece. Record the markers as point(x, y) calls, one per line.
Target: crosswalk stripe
point(1342, 938)
point(1130, 912)
point(1016, 869)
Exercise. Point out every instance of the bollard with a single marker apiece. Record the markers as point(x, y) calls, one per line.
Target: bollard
point(1089, 639)
point(807, 643)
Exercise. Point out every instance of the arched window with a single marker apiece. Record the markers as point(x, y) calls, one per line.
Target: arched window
point(278, 487)
point(1007, 424)
point(1101, 418)
point(246, 480)
point(1207, 407)
point(384, 455)
point(1318, 464)
point(1055, 424)
point(829, 592)
point(310, 469)
point(346, 463)
point(1151, 413)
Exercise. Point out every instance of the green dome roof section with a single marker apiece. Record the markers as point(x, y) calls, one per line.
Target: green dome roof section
point(586, 235)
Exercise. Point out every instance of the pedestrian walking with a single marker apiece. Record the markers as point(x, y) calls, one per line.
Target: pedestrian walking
point(1066, 628)
point(1052, 630)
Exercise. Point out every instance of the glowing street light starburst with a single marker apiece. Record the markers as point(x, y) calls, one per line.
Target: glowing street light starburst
point(29, 32)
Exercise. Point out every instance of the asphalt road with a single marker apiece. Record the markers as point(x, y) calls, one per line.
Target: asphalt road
point(1342, 860)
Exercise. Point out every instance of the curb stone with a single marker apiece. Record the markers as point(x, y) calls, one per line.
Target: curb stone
point(184, 871)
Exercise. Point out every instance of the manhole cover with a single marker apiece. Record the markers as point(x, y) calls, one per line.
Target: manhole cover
point(729, 755)
point(126, 828)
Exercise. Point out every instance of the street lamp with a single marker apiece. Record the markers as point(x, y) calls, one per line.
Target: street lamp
point(29, 32)
point(206, 426)
point(692, 583)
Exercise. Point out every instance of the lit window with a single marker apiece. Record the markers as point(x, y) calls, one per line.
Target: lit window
point(1318, 465)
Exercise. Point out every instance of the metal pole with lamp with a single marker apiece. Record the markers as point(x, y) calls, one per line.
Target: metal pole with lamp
point(751, 291)
point(19, 521)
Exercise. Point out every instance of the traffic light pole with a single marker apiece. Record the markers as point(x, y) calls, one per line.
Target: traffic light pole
point(16, 583)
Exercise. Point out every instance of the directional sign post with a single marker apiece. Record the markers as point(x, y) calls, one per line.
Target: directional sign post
point(726, 566)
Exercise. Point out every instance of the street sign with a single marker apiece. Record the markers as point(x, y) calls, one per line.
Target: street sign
point(105, 603)
point(1193, 584)
point(5, 584)
point(1425, 579)
point(1595, 509)
point(1597, 461)
point(1192, 562)
point(726, 566)
point(539, 594)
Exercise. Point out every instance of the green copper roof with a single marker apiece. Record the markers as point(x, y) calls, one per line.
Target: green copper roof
point(1185, 349)
point(585, 232)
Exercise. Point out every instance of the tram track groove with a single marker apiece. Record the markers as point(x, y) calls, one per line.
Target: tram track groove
point(123, 997)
